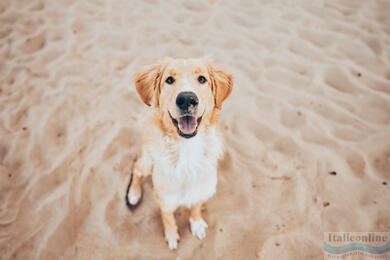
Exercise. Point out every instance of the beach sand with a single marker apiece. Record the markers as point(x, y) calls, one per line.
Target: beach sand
point(307, 127)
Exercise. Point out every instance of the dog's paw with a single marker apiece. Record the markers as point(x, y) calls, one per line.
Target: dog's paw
point(198, 228)
point(134, 196)
point(172, 240)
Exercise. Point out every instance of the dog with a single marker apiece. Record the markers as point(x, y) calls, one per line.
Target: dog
point(181, 141)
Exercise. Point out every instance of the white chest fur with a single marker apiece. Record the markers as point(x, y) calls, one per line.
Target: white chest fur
point(185, 171)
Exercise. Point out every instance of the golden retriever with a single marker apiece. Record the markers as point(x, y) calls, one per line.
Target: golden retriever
point(181, 142)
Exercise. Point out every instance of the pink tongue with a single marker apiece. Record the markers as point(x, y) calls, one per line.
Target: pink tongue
point(187, 124)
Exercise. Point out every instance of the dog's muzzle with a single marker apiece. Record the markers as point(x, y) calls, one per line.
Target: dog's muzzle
point(187, 106)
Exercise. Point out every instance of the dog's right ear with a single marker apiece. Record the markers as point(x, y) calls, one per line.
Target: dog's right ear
point(147, 83)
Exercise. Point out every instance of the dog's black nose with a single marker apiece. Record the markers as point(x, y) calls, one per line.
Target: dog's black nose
point(185, 100)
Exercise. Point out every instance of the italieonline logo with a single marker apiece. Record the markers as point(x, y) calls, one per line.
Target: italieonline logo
point(370, 245)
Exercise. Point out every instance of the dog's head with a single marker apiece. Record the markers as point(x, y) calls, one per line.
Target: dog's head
point(187, 94)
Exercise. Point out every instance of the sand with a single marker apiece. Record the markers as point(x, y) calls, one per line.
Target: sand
point(307, 127)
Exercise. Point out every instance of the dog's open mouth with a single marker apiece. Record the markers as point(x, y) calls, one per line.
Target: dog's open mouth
point(187, 126)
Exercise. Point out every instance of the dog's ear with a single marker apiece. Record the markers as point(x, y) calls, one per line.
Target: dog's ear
point(147, 83)
point(222, 85)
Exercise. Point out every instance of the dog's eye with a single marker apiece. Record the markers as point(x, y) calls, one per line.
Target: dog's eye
point(201, 79)
point(170, 80)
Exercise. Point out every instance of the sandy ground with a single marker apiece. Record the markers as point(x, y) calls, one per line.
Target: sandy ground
point(311, 97)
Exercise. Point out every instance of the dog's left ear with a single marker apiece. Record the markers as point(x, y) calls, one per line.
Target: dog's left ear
point(222, 85)
point(147, 83)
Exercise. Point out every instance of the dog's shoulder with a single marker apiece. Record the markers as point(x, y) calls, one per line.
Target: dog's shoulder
point(151, 130)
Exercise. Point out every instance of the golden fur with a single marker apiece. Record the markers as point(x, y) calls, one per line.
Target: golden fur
point(183, 170)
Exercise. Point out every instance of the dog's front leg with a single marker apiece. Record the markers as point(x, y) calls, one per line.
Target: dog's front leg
point(198, 225)
point(142, 167)
point(170, 228)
